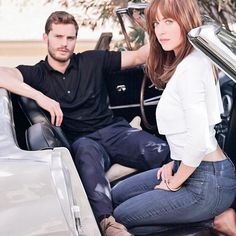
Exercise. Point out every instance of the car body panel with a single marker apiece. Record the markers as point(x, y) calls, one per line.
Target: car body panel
point(41, 192)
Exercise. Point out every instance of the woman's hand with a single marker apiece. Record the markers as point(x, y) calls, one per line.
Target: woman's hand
point(162, 185)
point(173, 182)
point(165, 173)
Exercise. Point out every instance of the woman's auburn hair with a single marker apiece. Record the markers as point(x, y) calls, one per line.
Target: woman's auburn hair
point(161, 64)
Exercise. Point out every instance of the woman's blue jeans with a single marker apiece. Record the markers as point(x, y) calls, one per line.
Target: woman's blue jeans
point(210, 190)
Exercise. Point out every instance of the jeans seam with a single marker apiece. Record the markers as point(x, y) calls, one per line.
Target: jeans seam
point(217, 202)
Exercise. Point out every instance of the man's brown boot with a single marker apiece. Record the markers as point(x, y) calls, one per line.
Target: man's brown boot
point(110, 227)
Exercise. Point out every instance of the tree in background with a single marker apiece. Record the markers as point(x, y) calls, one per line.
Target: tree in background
point(95, 11)
point(223, 11)
point(98, 11)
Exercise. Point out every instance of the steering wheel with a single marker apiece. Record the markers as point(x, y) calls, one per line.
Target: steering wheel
point(148, 102)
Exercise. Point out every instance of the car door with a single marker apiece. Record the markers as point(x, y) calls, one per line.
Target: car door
point(130, 92)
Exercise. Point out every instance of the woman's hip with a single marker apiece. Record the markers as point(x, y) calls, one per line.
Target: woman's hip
point(214, 185)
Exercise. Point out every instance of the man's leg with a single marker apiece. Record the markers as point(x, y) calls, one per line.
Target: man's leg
point(133, 147)
point(91, 161)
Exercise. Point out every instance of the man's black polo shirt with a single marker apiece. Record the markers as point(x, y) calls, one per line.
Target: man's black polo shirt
point(81, 90)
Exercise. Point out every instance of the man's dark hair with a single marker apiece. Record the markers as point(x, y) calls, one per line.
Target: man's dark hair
point(60, 17)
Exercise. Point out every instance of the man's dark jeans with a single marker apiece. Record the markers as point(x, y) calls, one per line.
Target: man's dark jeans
point(116, 143)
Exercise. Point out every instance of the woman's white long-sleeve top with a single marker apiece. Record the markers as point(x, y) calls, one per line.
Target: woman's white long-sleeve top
point(188, 110)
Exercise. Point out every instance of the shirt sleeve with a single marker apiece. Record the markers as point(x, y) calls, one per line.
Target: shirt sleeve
point(192, 88)
point(31, 75)
point(112, 61)
point(101, 60)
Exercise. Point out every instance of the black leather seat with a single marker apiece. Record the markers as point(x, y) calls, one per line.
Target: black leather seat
point(41, 134)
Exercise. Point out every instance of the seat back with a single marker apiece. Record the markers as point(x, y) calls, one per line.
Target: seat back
point(103, 42)
point(41, 134)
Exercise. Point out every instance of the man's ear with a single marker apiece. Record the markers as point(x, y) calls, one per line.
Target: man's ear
point(45, 37)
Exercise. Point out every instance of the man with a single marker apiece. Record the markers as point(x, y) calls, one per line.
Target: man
point(71, 87)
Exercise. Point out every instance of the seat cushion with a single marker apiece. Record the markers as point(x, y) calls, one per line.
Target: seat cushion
point(40, 136)
point(118, 171)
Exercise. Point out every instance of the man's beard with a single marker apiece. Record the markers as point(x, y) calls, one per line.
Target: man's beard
point(59, 59)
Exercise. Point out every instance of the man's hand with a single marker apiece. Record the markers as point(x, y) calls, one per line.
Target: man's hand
point(52, 107)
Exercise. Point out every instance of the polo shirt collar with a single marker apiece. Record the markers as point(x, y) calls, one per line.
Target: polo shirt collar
point(71, 65)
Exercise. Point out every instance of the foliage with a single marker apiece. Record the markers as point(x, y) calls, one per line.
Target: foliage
point(223, 11)
point(137, 36)
point(97, 11)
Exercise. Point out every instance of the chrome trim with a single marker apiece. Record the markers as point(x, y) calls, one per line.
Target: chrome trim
point(148, 102)
point(207, 39)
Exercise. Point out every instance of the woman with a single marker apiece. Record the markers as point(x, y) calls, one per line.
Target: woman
point(200, 182)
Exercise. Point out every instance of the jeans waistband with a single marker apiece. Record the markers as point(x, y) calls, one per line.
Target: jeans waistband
point(212, 166)
point(216, 165)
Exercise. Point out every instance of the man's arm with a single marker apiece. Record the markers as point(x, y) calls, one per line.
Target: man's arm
point(12, 80)
point(134, 58)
